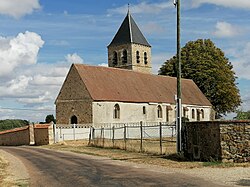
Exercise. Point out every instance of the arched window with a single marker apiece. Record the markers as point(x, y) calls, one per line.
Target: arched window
point(124, 56)
point(116, 111)
point(168, 109)
point(144, 110)
point(115, 58)
point(202, 114)
point(145, 58)
point(193, 114)
point(185, 110)
point(159, 111)
point(198, 114)
point(73, 120)
point(137, 56)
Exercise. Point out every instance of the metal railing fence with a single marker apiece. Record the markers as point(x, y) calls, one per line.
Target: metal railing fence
point(157, 138)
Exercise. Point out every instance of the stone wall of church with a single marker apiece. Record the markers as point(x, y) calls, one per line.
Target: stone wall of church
point(141, 66)
point(119, 49)
point(103, 112)
point(73, 100)
point(81, 109)
point(132, 63)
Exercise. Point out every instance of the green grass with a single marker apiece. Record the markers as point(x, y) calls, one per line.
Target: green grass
point(218, 164)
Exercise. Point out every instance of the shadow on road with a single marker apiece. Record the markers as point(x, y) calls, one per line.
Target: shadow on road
point(243, 182)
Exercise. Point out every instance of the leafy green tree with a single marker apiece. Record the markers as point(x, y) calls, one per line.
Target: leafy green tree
point(243, 115)
point(12, 123)
point(208, 67)
point(50, 118)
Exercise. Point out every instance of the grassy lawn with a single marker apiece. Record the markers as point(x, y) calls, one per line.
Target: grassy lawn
point(168, 159)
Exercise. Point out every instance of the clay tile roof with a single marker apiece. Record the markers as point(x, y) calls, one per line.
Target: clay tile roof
point(129, 32)
point(14, 130)
point(113, 84)
point(41, 126)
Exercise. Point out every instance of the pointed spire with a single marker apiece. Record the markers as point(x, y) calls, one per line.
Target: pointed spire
point(129, 32)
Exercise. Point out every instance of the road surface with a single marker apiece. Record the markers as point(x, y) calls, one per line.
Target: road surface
point(63, 169)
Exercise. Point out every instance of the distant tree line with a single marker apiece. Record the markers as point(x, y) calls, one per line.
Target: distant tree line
point(12, 123)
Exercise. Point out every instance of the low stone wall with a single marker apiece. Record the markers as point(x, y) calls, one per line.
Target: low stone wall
point(28, 135)
point(228, 141)
point(235, 141)
point(41, 134)
point(17, 136)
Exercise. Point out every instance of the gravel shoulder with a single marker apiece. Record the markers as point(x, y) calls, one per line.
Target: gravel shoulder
point(17, 174)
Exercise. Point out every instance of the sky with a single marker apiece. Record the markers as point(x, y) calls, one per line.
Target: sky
point(40, 39)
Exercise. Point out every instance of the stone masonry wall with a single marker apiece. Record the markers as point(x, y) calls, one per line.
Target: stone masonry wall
point(73, 99)
point(228, 141)
point(131, 56)
point(202, 141)
point(18, 136)
point(235, 142)
point(43, 135)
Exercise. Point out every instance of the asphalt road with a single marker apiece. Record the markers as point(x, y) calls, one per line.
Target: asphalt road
point(63, 169)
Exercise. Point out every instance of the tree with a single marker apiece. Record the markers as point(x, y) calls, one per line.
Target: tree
point(50, 118)
point(212, 72)
point(243, 115)
point(12, 123)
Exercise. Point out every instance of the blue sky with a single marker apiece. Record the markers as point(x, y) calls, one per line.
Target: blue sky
point(40, 39)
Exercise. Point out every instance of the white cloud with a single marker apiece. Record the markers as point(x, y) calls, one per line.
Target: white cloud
point(17, 8)
point(244, 4)
point(241, 61)
point(16, 86)
point(40, 99)
point(74, 58)
point(21, 50)
point(143, 8)
point(35, 86)
point(47, 80)
point(103, 64)
point(224, 29)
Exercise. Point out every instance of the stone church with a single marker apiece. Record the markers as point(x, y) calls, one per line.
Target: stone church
point(126, 91)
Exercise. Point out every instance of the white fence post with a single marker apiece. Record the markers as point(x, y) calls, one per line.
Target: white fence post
point(54, 132)
point(141, 135)
point(74, 131)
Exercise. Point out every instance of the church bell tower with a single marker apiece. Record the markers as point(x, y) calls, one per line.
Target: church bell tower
point(129, 49)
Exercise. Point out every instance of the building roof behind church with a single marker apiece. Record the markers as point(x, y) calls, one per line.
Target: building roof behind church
point(113, 84)
point(129, 32)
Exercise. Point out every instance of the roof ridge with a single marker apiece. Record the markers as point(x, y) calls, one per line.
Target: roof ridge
point(130, 26)
point(127, 70)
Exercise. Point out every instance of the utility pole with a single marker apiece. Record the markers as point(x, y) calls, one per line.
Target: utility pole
point(177, 4)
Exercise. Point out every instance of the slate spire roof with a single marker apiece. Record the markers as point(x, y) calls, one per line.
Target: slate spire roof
point(129, 32)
